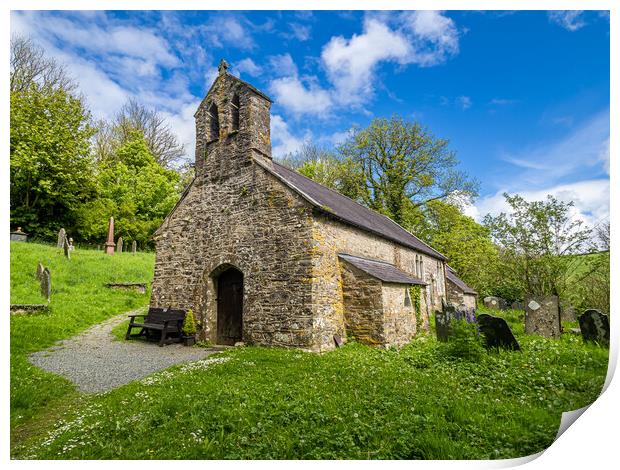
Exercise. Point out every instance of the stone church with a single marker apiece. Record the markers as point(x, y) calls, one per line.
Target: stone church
point(264, 255)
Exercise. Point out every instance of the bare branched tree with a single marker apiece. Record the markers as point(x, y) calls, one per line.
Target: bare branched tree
point(161, 140)
point(30, 66)
point(603, 231)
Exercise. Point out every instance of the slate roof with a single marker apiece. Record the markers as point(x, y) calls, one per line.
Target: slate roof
point(454, 279)
point(381, 270)
point(347, 210)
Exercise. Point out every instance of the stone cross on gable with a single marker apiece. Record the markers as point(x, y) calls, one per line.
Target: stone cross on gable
point(223, 67)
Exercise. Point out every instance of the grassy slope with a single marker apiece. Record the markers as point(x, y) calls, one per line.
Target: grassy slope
point(355, 402)
point(79, 300)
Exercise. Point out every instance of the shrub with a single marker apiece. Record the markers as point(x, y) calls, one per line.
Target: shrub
point(464, 341)
point(189, 325)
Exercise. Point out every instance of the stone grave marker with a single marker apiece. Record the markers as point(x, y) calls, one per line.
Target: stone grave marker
point(40, 269)
point(109, 244)
point(497, 333)
point(119, 245)
point(495, 302)
point(542, 316)
point(62, 235)
point(67, 248)
point(46, 284)
point(442, 326)
point(134, 246)
point(594, 327)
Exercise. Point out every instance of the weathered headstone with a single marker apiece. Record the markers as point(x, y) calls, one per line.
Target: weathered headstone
point(119, 245)
point(542, 316)
point(442, 326)
point(109, 244)
point(62, 235)
point(497, 333)
point(19, 236)
point(594, 327)
point(517, 305)
point(71, 247)
point(66, 248)
point(134, 246)
point(40, 269)
point(567, 312)
point(46, 284)
point(495, 302)
point(338, 341)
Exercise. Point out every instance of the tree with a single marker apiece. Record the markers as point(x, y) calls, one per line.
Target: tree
point(161, 141)
point(402, 165)
point(134, 189)
point(51, 166)
point(466, 244)
point(30, 67)
point(536, 241)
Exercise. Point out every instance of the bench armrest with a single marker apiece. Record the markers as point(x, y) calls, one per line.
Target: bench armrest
point(137, 315)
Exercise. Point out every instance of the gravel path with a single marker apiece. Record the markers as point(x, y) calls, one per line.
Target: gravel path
point(96, 362)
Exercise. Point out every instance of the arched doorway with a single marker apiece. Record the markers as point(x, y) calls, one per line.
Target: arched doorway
point(230, 306)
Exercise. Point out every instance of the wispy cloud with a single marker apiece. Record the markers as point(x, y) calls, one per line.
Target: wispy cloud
point(248, 67)
point(571, 20)
point(464, 102)
point(284, 141)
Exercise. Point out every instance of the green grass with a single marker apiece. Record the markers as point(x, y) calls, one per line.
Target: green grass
point(418, 402)
point(79, 300)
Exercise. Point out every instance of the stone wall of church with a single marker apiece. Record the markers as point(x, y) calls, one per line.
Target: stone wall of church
point(330, 237)
point(457, 297)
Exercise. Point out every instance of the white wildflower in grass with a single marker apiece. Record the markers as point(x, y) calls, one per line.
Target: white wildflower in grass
point(203, 364)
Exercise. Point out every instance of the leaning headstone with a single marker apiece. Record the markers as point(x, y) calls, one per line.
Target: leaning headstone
point(134, 246)
point(71, 247)
point(119, 245)
point(497, 333)
point(66, 248)
point(594, 327)
point(542, 316)
point(62, 235)
point(517, 305)
point(40, 269)
point(46, 284)
point(495, 302)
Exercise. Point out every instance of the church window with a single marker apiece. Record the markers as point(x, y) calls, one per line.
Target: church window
point(234, 105)
point(214, 123)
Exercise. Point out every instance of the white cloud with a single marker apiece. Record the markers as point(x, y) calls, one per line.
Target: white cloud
point(224, 30)
point(350, 63)
point(282, 65)
point(591, 198)
point(248, 66)
point(586, 147)
point(435, 36)
point(572, 20)
point(463, 102)
point(284, 142)
point(298, 99)
point(300, 32)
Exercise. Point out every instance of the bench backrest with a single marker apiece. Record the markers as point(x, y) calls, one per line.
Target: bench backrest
point(158, 315)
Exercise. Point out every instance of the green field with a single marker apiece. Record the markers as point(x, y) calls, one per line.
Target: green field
point(419, 402)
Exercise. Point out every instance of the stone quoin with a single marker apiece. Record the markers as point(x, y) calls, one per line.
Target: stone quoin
point(264, 255)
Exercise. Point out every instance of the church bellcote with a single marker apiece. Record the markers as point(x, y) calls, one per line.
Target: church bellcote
point(232, 122)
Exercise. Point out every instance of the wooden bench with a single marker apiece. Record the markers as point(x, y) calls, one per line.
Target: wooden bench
point(165, 320)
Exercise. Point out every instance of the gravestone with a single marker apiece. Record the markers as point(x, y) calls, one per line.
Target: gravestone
point(66, 248)
point(517, 305)
point(71, 247)
point(542, 316)
point(495, 302)
point(119, 245)
point(19, 236)
point(442, 326)
point(40, 269)
point(46, 284)
point(497, 333)
point(109, 244)
point(134, 246)
point(594, 327)
point(567, 312)
point(338, 341)
point(62, 235)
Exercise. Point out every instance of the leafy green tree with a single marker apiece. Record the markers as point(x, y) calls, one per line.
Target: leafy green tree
point(536, 240)
point(403, 165)
point(134, 189)
point(51, 166)
point(466, 244)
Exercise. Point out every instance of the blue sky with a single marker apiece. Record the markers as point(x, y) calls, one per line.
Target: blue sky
point(523, 97)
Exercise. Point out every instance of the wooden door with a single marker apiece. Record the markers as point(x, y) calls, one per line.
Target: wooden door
point(230, 307)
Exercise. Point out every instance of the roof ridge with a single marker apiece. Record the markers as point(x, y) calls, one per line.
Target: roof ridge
point(361, 205)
